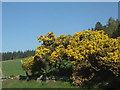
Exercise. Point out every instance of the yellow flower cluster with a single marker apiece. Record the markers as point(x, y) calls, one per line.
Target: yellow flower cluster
point(62, 39)
point(112, 50)
point(47, 37)
point(42, 52)
point(89, 36)
point(28, 63)
point(50, 33)
point(79, 48)
point(57, 54)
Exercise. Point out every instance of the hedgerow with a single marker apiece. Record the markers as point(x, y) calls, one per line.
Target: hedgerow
point(83, 56)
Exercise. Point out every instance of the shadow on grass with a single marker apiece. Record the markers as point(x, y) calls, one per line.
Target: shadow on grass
point(103, 82)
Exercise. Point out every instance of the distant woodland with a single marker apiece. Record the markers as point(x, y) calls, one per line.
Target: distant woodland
point(17, 55)
point(112, 28)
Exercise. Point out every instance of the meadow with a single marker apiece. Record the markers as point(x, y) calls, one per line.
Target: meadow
point(13, 67)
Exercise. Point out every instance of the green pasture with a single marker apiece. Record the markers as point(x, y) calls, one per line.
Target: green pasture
point(13, 67)
point(35, 84)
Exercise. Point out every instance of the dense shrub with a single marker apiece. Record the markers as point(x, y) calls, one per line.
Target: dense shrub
point(83, 56)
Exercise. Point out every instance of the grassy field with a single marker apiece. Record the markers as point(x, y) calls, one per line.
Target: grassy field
point(35, 84)
point(13, 67)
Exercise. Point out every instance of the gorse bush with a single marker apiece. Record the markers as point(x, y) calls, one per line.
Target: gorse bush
point(83, 56)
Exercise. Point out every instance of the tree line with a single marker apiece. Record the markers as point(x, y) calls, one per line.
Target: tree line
point(112, 28)
point(17, 54)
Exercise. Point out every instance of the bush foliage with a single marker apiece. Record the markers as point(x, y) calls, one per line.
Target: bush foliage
point(83, 57)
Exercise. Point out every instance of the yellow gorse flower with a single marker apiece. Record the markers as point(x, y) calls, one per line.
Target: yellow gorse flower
point(78, 48)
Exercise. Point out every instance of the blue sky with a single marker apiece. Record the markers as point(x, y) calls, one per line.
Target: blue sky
point(23, 22)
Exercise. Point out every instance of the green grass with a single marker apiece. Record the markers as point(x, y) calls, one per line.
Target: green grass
point(12, 67)
point(35, 84)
